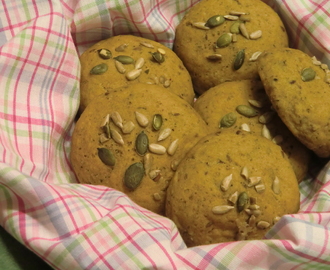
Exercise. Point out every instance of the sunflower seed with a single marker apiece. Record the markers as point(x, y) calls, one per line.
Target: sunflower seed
point(156, 196)
point(276, 219)
point(157, 121)
point(116, 137)
point(121, 48)
point(254, 207)
point(267, 117)
point(106, 156)
point(256, 103)
point(237, 13)
point(278, 139)
point(148, 161)
point(133, 74)
point(214, 57)
point(222, 209)
point(255, 56)
point(153, 174)
point(263, 224)
point(105, 53)
point(308, 74)
point(161, 51)
point(224, 40)
point(134, 175)
point(226, 182)
point(265, 132)
point(141, 143)
point(239, 59)
point(173, 147)
point(252, 221)
point(276, 185)
point(146, 44)
point(157, 149)
point(174, 165)
point(246, 111)
point(245, 172)
point(260, 188)
point(256, 34)
point(200, 25)
point(139, 63)
point(120, 67)
point(167, 83)
point(233, 197)
point(245, 127)
point(243, 30)
point(231, 17)
point(215, 21)
point(117, 120)
point(103, 138)
point(245, 18)
point(99, 69)
point(105, 121)
point(242, 201)
point(128, 127)
point(141, 119)
point(324, 66)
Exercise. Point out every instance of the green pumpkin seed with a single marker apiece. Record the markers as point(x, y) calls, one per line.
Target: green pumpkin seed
point(215, 21)
point(105, 53)
point(247, 111)
point(234, 28)
point(141, 143)
point(228, 120)
point(242, 201)
point(124, 59)
point(158, 57)
point(157, 121)
point(308, 74)
point(99, 69)
point(224, 40)
point(134, 175)
point(239, 59)
point(106, 156)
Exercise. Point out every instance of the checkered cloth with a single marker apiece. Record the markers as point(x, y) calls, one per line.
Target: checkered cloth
point(74, 226)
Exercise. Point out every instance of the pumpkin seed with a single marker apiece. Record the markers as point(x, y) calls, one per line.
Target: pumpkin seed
point(133, 74)
point(308, 74)
point(128, 127)
point(141, 143)
point(214, 57)
point(134, 175)
point(255, 56)
point(231, 17)
point(246, 111)
point(106, 156)
point(222, 209)
point(226, 182)
point(228, 120)
point(124, 59)
point(254, 207)
point(243, 30)
point(164, 134)
point(120, 67)
point(215, 21)
point(234, 28)
point(173, 147)
point(105, 53)
point(121, 47)
point(116, 136)
point(224, 40)
point(157, 121)
point(263, 224)
point(141, 119)
point(139, 63)
point(245, 18)
point(99, 69)
point(276, 185)
point(233, 197)
point(242, 201)
point(158, 57)
point(200, 25)
point(157, 149)
point(239, 59)
point(256, 34)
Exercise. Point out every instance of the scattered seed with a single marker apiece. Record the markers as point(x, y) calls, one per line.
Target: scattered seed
point(153, 174)
point(246, 111)
point(254, 180)
point(157, 149)
point(256, 34)
point(315, 61)
point(105, 121)
point(105, 53)
point(157, 121)
point(245, 172)
point(224, 40)
point(134, 175)
point(163, 134)
point(120, 67)
point(265, 132)
point(99, 69)
point(214, 57)
point(256, 103)
point(245, 18)
point(308, 74)
point(234, 38)
point(116, 137)
point(161, 51)
point(200, 25)
point(106, 156)
point(276, 219)
point(228, 120)
point(141, 143)
point(245, 127)
point(234, 28)
point(252, 221)
point(215, 21)
point(231, 17)
point(255, 56)
point(260, 188)
point(242, 201)
point(278, 139)
point(267, 117)
point(121, 48)
point(133, 74)
point(124, 59)
point(237, 13)
point(117, 120)
point(167, 83)
point(233, 197)
point(226, 182)
point(243, 30)
point(263, 224)
point(148, 160)
point(173, 147)
point(103, 138)
point(128, 127)
point(256, 212)
point(174, 165)
point(141, 119)
point(222, 209)
point(324, 66)
point(157, 197)
point(146, 44)
point(139, 63)
point(158, 57)
point(276, 185)
point(239, 59)
point(254, 207)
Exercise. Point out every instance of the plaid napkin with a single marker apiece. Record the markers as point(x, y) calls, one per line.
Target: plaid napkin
point(74, 226)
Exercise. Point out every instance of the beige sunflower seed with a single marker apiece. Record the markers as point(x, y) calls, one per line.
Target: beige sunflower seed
point(233, 197)
point(121, 48)
point(324, 66)
point(157, 197)
point(256, 103)
point(105, 121)
point(237, 13)
point(116, 119)
point(116, 137)
point(222, 209)
point(157, 149)
point(327, 77)
point(141, 119)
point(245, 172)
point(139, 63)
point(106, 156)
point(226, 182)
point(245, 18)
point(120, 67)
point(148, 161)
point(231, 17)
point(163, 134)
point(276, 219)
point(253, 200)
point(153, 174)
point(255, 56)
point(316, 62)
point(256, 34)
point(276, 185)
point(146, 44)
point(134, 175)
point(173, 147)
point(128, 127)
point(167, 83)
point(234, 38)
point(243, 30)
point(161, 51)
point(256, 212)
point(263, 224)
point(265, 132)
point(214, 57)
point(200, 25)
point(133, 74)
point(103, 138)
point(254, 180)
point(242, 201)
point(260, 188)
point(175, 164)
point(252, 221)
point(278, 139)
point(245, 127)
point(267, 117)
